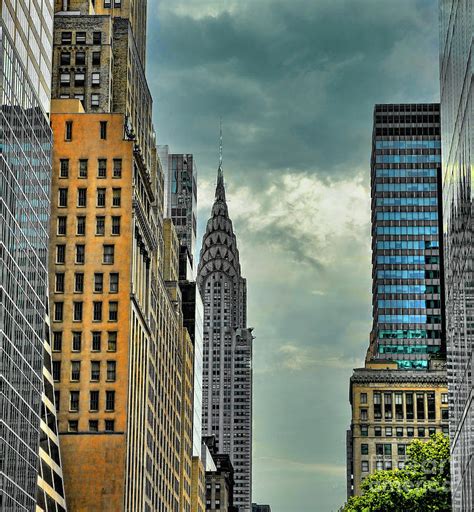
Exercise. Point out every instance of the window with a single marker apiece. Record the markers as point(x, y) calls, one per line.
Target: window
point(95, 83)
point(103, 129)
point(113, 311)
point(108, 257)
point(94, 401)
point(410, 432)
point(57, 341)
point(76, 341)
point(116, 197)
point(64, 168)
point(81, 197)
point(78, 282)
point(109, 400)
point(61, 254)
point(364, 430)
point(109, 425)
point(117, 168)
point(80, 60)
point(65, 59)
point(80, 37)
point(58, 311)
point(80, 254)
point(96, 58)
point(79, 97)
point(409, 406)
point(363, 414)
point(430, 399)
point(114, 282)
point(364, 449)
point(96, 341)
point(420, 406)
point(83, 168)
point(74, 401)
point(363, 398)
point(59, 283)
point(66, 37)
point(112, 341)
point(62, 225)
point(81, 226)
point(68, 132)
point(107, 3)
point(388, 431)
point(97, 313)
point(56, 371)
point(111, 371)
point(365, 466)
point(444, 398)
point(95, 371)
point(97, 37)
point(94, 100)
point(100, 197)
point(117, 3)
point(93, 425)
point(77, 311)
point(379, 465)
point(401, 450)
point(73, 426)
point(399, 431)
point(65, 80)
point(79, 79)
point(62, 197)
point(445, 414)
point(75, 370)
point(98, 282)
point(115, 225)
point(100, 226)
point(421, 432)
point(102, 168)
point(378, 431)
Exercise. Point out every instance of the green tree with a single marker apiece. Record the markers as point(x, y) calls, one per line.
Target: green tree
point(423, 485)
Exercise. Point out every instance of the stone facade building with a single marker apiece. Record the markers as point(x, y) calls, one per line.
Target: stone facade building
point(227, 368)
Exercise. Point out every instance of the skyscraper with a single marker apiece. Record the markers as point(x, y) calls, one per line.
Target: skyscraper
point(457, 114)
point(227, 368)
point(122, 361)
point(408, 312)
point(402, 391)
point(30, 458)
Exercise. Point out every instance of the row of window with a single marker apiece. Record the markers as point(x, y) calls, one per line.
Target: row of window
point(407, 215)
point(95, 367)
point(406, 173)
point(81, 225)
point(83, 165)
point(407, 201)
point(98, 283)
point(400, 431)
point(408, 144)
point(77, 341)
point(81, 38)
point(409, 319)
point(407, 230)
point(406, 187)
point(94, 401)
point(407, 159)
point(407, 244)
point(79, 78)
point(109, 426)
point(408, 260)
point(410, 334)
point(404, 304)
point(81, 199)
point(409, 349)
point(408, 288)
point(78, 311)
point(108, 254)
point(79, 58)
point(407, 274)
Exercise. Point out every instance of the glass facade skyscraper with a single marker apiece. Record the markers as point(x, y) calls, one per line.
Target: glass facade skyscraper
point(25, 173)
point(408, 314)
point(457, 115)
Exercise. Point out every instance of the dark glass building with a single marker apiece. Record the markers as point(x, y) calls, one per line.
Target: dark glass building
point(408, 314)
point(457, 116)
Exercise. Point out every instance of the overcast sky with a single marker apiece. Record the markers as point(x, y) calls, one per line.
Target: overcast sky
point(295, 82)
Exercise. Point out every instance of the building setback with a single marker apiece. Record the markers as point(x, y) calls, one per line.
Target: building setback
point(457, 114)
point(227, 368)
point(30, 475)
point(401, 393)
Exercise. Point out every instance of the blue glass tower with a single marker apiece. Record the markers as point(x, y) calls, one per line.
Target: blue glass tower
point(408, 312)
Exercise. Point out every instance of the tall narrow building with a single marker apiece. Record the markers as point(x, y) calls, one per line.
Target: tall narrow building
point(457, 115)
point(401, 393)
point(31, 466)
point(227, 368)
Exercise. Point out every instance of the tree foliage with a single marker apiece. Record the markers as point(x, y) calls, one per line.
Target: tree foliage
point(423, 485)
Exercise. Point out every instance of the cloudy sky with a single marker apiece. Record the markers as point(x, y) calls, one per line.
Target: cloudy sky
point(295, 82)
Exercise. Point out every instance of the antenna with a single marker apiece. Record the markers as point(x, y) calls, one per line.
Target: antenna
point(220, 145)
